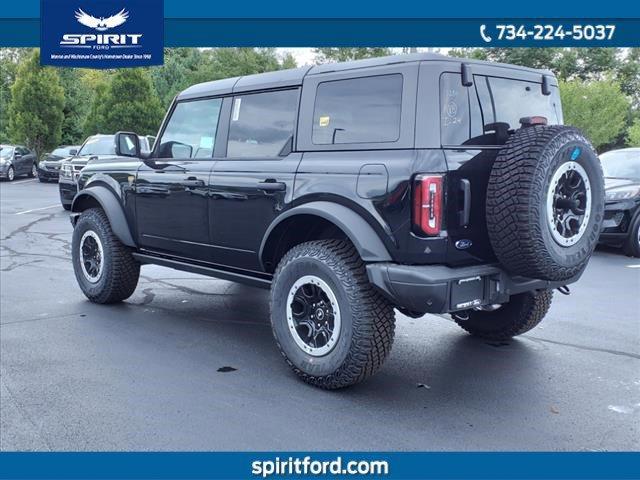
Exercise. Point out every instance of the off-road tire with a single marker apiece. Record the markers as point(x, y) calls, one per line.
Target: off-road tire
point(631, 245)
point(517, 220)
point(120, 272)
point(368, 320)
point(523, 312)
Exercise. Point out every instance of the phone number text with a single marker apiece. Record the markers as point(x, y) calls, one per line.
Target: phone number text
point(554, 32)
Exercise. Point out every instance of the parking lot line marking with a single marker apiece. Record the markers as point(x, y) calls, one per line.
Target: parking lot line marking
point(18, 182)
point(36, 209)
point(637, 265)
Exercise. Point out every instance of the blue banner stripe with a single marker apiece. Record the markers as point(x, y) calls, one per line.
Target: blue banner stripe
point(327, 32)
point(401, 465)
point(370, 9)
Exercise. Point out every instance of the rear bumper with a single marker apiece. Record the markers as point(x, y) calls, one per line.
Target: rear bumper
point(441, 289)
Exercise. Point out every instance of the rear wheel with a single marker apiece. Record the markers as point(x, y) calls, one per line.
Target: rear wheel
point(104, 268)
point(331, 326)
point(34, 170)
point(11, 174)
point(521, 314)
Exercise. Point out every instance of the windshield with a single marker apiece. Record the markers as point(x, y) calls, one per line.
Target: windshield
point(6, 152)
point(621, 164)
point(61, 152)
point(98, 146)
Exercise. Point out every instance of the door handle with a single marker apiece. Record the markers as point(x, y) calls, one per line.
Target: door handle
point(192, 182)
point(272, 186)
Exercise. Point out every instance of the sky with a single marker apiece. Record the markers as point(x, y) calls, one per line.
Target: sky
point(305, 56)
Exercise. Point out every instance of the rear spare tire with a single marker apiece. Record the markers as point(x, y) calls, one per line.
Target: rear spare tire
point(545, 202)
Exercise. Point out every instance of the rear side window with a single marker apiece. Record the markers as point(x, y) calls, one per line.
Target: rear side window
point(358, 110)
point(509, 100)
point(262, 124)
point(191, 130)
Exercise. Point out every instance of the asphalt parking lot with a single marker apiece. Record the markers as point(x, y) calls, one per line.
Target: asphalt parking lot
point(150, 374)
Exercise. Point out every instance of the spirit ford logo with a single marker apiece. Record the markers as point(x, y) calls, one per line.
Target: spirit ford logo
point(101, 24)
point(101, 34)
point(100, 39)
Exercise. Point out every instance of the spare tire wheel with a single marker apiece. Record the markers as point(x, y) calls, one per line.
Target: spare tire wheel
point(545, 202)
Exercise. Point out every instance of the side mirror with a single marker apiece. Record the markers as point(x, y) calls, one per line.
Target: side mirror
point(127, 144)
point(73, 152)
point(17, 156)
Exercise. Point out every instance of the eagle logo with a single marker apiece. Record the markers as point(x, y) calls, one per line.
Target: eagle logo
point(101, 24)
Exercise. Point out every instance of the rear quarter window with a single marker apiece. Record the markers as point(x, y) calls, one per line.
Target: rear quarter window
point(454, 110)
point(358, 110)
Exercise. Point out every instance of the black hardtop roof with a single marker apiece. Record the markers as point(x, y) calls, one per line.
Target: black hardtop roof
point(295, 76)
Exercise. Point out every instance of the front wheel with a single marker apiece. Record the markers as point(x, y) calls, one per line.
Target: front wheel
point(521, 314)
point(632, 243)
point(104, 267)
point(11, 174)
point(331, 326)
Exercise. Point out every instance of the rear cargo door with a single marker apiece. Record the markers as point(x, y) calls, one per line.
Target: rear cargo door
point(471, 140)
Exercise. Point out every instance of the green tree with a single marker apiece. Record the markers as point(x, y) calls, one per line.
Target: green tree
point(77, 100)
point(628, 74)
point(324, 55)
point(10, 59)
point(186, 66)
point(598, 108)
point(633, 134)
point(179, 69)
point(95, 120)
point(36, 109)
point(131, 103)
point(234, 62)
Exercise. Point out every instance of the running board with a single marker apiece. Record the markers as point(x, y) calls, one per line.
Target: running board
point(202, 270)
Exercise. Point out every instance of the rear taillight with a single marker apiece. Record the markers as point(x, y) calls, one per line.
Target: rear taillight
point(427, 204)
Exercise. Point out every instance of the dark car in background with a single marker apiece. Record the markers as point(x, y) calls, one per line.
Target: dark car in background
point(621, 227)
point(17, 160)
point(49, 166)
point(96, 147)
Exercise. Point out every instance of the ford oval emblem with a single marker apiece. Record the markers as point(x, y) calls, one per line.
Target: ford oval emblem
point(463, 244)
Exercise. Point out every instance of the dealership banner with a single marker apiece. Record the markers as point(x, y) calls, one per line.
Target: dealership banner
point(101, 34)
point(197, 23)
point(396, 465)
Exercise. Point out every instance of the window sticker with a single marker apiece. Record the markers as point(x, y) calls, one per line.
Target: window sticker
point(324, 121)
point(236, 109)
point(206, 142)
point(451, 110)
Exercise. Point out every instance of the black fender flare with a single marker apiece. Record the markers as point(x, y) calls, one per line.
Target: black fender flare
point(111, 206)
point(362, 235)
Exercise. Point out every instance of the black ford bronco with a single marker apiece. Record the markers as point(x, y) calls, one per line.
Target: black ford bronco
point(418, 182)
